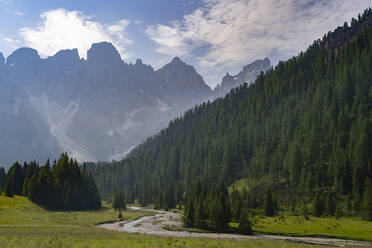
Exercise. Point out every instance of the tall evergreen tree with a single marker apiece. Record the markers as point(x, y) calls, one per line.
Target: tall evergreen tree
point(245, 225)
point(118, 202)
point(330, 205)
point(8, 190)
point(318, 205)
point(269, 207)
point(367, 200)
point(189, 215)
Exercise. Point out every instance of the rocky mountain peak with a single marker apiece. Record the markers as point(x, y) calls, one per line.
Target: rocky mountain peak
point(139, 62)
point(258, 65)
point(247, 75)
point(179, 67)
point(228, 81)
point(177, 60)
point(24, 54)
point(103, 53)
point(67, 55)
point(68, 93)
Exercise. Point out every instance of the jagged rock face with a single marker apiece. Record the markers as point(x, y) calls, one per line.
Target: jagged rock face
point(2, 60)
point(247, 75)
point(179, 76)
point(23, 66)
point(103, 54)
point(94, 109)
point(24, 133)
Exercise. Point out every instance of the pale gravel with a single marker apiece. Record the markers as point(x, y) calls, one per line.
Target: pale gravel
point(154, 225)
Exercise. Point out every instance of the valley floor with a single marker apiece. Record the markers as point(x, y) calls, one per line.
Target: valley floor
point(169, 224)
point(23, 224)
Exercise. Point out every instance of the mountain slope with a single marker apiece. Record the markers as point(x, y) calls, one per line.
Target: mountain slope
point(303, 127)
point(22, 128)
point(98, 108)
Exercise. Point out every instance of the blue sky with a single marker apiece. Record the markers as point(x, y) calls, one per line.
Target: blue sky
point(216, 36)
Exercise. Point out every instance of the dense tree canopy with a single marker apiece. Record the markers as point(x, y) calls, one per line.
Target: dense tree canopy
point(60, 186)
point(304, 128)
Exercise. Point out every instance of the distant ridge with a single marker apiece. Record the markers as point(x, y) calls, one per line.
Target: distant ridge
point(94, 109)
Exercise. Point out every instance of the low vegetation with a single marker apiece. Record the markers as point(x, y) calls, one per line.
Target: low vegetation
point(344, 228)
point(24, 224)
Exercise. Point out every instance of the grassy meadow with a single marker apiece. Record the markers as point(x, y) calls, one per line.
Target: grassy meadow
point(344, 228)
point(23, 224)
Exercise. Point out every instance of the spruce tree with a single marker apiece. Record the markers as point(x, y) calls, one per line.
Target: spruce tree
point(330, 205)
point(318, 205)
point(119, 201)
point(305, 212)
point(367, 200)
point(24, 188)
point(269, 207)
point(199, 219)
point(15, 174)
point(189, 215)
point(2, 178)
point(8, 188)
point(245, 225)
point(220, 211)
point(120, 216)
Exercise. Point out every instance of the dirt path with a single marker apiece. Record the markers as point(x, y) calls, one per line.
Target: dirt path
point(162, 220)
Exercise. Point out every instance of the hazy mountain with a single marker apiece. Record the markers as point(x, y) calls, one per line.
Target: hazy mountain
point(24, 134)
point(98, 108)
point(247, 75)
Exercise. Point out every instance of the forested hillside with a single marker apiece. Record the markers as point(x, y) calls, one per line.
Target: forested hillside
point(303, 129)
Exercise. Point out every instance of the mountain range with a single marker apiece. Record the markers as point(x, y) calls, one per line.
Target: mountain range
point(97, 108)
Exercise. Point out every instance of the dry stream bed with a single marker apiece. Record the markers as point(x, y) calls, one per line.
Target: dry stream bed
point(169, 224)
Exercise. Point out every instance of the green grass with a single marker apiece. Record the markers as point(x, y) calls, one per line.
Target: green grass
point(23, 224)
point(242, 184)
point(345, 228)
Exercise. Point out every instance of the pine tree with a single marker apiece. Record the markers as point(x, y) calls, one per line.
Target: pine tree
point(8, 188)
point(305, 212)
point(24, 188)
point(237, 204)
point(245, 225)
point(318, 206)
point(367, 200)
point(168, 199)
point(348, 206)
point(120, 216)
point(16, 176)
point(200, 216)
point(269, 208)
point(330, 205)
point(189, 215)
point(118, 202)
point(221, 215)
point(2, 178)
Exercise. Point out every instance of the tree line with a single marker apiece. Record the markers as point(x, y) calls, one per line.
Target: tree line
point(62, 186)
point(303, 129)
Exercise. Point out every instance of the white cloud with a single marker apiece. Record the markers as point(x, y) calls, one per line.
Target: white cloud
point(13, 43)
point(63, 29)
point(228, 33)
point(14, 12)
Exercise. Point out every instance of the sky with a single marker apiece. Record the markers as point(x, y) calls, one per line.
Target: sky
point(215, 36)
